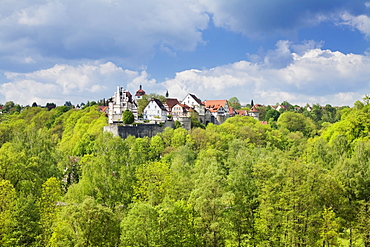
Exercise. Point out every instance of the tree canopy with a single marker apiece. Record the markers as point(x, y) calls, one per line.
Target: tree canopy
point(303, 179)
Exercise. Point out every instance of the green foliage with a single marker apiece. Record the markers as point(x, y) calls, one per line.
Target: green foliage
point(7, 203)
point(128, 117)
point(297, 122)
point(301, 181)
point(145, 100)
point(86, 224)
point(234, 103)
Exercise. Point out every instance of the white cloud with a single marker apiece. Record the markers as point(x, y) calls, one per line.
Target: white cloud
point(312, 76)
point(124, 30)
point(78, 84)
point(265, 17)
point(360, 22)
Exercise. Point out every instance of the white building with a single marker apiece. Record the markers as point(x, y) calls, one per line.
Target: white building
point(195, 103)
point(219, 109)
point(122, 100)
point(139, 94)
point(155, 111)
point(254, 113)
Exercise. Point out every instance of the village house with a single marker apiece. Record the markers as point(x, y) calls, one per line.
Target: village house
point(155, 111)
point(219, 110)
point(254, 112)
point(122, 100)
point(197, 105)
point(139, 94)
point(170, 103)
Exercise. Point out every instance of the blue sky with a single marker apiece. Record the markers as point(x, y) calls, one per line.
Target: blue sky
point(270, 51)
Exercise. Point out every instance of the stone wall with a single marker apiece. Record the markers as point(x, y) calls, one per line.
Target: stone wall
point(140, 130)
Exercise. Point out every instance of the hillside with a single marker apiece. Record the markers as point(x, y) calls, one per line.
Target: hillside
point(293, 182)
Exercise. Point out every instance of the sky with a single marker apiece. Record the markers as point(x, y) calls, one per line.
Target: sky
point(308, 51)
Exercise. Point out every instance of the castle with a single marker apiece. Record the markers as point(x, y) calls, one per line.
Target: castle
point(157, 112)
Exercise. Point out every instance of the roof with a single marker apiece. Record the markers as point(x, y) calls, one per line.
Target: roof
point(140, 92)
point(171, 102)
point(103, 108)
point(241, 112)
point(232, 111)
point(159, 103)
point(196, 99)
point(184, 107)
point(214, 105)
point(253, 109)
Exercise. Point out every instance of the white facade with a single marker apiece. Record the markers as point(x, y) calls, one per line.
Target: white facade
point(155, 111)
point(121, 101)
point(192, 101)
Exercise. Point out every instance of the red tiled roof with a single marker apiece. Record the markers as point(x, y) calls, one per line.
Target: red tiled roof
point(253, 109)
point(171, 102)
point(103, 108)
point(140, 92)
point(232, 111)
point(241, 112)
point(215, 103)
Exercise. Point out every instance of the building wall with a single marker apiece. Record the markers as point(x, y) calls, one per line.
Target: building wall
point(140, 130)
point(153, 112)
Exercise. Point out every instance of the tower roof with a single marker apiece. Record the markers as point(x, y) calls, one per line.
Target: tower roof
point(140, 92)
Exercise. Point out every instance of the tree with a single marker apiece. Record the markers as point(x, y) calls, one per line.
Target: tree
point(297, 122)
point(272, 114)
point(128, 117)
point(86, 224)
point(7, 203)
point(234, 103)
point(51, 194)
point(50, 106)
point(140, 226)
point(210, 201)
point(145, 100)
point(153, 182)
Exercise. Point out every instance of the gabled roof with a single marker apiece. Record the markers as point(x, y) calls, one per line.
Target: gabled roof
point(253, 109)
point(215, 103)
point(232, 112)
point(103, 109)
point(171, 102)
point(241, 112)
point(159, 103)
point(184, 107)
point(196, 99)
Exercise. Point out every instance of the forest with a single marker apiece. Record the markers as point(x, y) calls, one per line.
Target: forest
point(303, 179)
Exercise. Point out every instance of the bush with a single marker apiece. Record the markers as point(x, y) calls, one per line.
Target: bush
point(128, 117)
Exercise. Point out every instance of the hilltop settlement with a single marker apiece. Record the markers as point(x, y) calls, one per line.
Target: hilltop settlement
point(159, 112)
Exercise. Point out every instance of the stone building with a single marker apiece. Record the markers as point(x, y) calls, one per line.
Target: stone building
point(122, 100)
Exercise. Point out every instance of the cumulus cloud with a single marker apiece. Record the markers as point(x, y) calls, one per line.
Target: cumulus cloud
point(265, 17)
point(68, 83)
point(122, 30)
point(312, 76)
point(360, 22)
